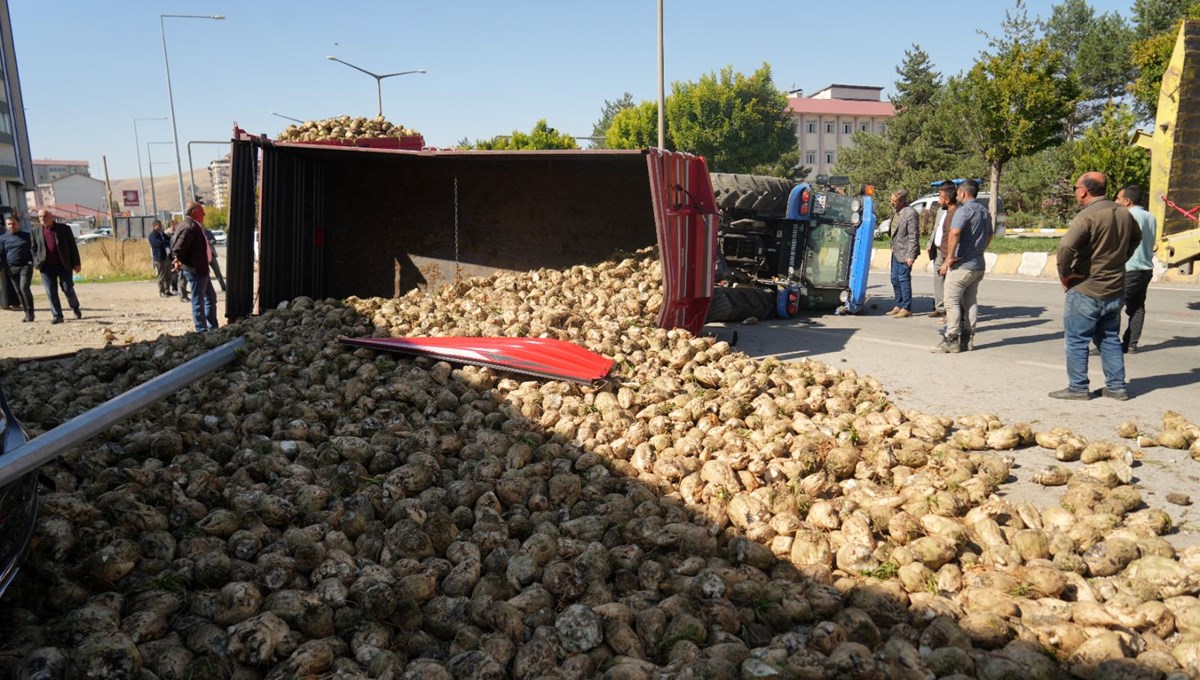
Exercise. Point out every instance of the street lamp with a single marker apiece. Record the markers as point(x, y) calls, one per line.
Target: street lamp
point(138, 147)
point(378, 78)
point(286, 117)
point(150, 162)
point(171, 96)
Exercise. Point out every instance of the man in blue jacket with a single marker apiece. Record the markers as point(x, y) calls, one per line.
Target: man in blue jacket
point(160, 255)
point(16, 251)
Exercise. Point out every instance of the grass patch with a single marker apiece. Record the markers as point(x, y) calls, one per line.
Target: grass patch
point(108, 261)
point(1025, 244)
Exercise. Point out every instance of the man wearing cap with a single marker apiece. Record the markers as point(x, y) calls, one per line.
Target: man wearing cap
point(56, 256)
point(192, 255)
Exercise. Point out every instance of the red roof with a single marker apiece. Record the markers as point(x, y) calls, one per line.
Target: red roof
point(46, 161)
point(844, 107)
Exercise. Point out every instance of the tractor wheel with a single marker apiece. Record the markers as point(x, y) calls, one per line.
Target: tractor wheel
point(739, 304)
point(757, 193)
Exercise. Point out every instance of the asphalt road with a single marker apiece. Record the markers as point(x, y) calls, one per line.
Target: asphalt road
point(1018, 359)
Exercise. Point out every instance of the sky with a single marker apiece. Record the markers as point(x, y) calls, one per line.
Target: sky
point(88, 68)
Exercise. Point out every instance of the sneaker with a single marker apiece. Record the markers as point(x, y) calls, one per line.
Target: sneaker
point(892, 311)
point(1068, 393)
point(968, 343)
point(902, 314)
point(948, 347)
point(1119, 395)
point(185, 298)
point(1132, 349)
point(57, 319)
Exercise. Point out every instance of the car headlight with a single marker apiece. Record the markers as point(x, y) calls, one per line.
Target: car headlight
point(845, 295)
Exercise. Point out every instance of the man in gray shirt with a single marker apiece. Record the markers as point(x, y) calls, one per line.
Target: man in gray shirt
point(970, 236)
point(905, 234)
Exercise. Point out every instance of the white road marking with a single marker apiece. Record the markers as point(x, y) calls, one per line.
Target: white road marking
point(1186, 323)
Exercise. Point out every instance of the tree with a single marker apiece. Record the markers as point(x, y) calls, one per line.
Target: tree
point(636, 128)
point(542, 136)
point(737, 122)
point(1105, 148)
point(1013, 101)
point(1151, 54)
point(1095, 52)
point(610, 110)
point(1152, 17)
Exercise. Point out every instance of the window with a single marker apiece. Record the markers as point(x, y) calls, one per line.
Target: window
point(829, 128)
point(829, 158)
point(812, 127)
point(865, 127)
point(845, 128)
point(883, 127)
point(810, 158)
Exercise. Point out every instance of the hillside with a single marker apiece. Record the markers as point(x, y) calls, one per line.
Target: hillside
point(166, 188)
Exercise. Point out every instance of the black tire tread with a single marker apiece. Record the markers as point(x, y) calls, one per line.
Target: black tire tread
point(757, 193)
point(739, 304)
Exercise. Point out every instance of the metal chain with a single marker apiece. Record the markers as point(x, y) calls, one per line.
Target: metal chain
point(457, 264)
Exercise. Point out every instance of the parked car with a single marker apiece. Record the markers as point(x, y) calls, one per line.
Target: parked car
point(930, 202)
point(102, 232)
point(219, 236)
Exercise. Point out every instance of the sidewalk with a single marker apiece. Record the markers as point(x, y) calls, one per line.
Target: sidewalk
point(1032, 265)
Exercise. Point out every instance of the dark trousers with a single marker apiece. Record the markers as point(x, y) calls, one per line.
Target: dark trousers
point(21, 278)
point(214, 266)
point(1137, 281)
point(53, 276)
point(162, 268)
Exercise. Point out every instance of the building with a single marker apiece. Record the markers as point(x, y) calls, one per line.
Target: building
point(826, 121)
point(46, 171)
point(73, 189)
point(218, 172)
point(16, 165)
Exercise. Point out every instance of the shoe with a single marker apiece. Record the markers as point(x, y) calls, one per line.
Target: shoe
point(57, 319)
point(1078, 395)
point(78, 314)
point(892, 311)
point(173, 292)
point(1119, 395)
point(1132, 349)
point(938, 314)
point(948, 347)
point(26, 320)
point(185, 298)
point(902, 314)
point(164, 295)
point(968, 343)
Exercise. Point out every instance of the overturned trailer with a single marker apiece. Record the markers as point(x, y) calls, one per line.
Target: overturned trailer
point(336, 221)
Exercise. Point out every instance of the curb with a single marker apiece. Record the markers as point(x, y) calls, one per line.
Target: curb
point(1027, 265)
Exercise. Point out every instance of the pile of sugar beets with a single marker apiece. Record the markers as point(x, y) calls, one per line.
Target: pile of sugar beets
point(344, 128)
point(317, 511)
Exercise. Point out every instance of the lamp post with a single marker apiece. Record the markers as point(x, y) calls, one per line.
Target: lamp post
point(137, 145)
point(171, 96)
point(378, 78)
point(150, 162)
point(286, 117)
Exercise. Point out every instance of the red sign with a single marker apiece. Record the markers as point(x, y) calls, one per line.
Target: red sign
point(131, 197)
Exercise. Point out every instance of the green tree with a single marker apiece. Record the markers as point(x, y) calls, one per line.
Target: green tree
point(636, 128)
point(735, 121)
point(1105, 148)
point(1095, 52)
point(216, 218)
point(610, 110)
point(1038, 192)
point(1013, 101)
point(542, 136)
point(1152, 17)
point(1151, 54)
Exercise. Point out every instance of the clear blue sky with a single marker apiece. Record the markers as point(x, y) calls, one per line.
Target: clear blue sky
point(89, 67)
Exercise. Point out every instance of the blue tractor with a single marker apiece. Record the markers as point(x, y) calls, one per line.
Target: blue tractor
point(784, 248)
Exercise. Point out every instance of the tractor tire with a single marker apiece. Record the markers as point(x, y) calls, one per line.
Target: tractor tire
point(739, 304)
point(756, 193)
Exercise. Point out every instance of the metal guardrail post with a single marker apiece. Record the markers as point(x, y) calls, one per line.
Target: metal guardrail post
point(40, 450)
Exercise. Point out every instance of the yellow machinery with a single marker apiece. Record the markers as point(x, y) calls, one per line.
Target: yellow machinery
point(1175, 153)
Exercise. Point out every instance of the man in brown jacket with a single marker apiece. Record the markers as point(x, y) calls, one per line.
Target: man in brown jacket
point(1091, 266)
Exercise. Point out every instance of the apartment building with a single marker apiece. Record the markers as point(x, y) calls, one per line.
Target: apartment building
point(16, 167)
point(826, 121)
point(218, 172)
point(47, 170)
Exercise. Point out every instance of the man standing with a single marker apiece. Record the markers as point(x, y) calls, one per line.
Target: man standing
point(215, 263)
point(948, 200)
point(16, 252)
point(190, 248)
point(56, 256)
point(1091, 265)
point(1139, 268)
point(160, 255)
point(963, 267)
point(905, 234)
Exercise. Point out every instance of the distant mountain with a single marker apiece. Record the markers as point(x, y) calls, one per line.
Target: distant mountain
point(166, 188)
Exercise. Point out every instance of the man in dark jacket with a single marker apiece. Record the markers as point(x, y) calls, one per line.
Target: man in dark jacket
point(1091, 265)
point(16, 252)
point(160, 255)
point(56, 256)
point(906, 230)
point(192, 255)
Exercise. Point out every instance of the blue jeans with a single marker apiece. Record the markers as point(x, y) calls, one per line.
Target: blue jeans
point(53, 276)
point(204, 301)
point(1090, 320)
point(902, 283)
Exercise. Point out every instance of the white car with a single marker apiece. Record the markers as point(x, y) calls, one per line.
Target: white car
point(94, 236)
point(219, 236)
point(930, 202)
